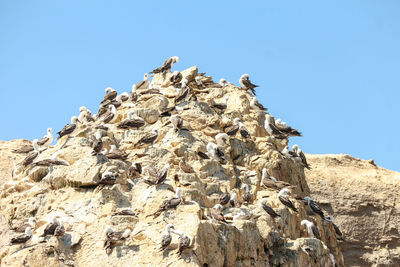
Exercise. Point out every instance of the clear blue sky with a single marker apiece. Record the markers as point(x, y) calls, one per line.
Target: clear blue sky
point(330, 69)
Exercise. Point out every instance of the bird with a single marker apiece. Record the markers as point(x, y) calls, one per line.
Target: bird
point(312, 229)
point(233, 129)
point(145, 83)
point(198, 81)
point(113, 238)
point(133, 95)
point(69, 128)
point(167, 66)
point(149, 138)
point(176, 78)
point(339, 234)
point(124, 97)
point(284, 199)
point(300, 154)
point(60, 230)
point(171, 203)
point(257, 105)
point(246, 194)
point(108, 178)
point(271, 182)
point(271, 128)
point(97, 145)
point(51, 227)
point(24, 149)
point(162, 174)
point(82, 113)
point(111, 116)
point(223, 82)
point(286, 129)
point(31, 222)
point(243, 131)
point(221, 106)
point(215, 152)
point(182, 92)
point(221, 139)
point(114, 153)
point(53, 160)
point(314, 207)
point(32, 155)
point(246, 83)
point(184, 241)
point(22, 238)
point(233, 200)
point(166, 238)
point(216, 213)
point(135, 169)
point(203, 155)
point(111, 94)
point(286, 152)
point(47, 139)
point(224, 198)
point(271, 212)
point(177, 122)
point(132, 121)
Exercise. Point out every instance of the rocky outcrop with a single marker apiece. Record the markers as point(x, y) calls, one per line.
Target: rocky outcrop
point(365, 200)
point(76, 197)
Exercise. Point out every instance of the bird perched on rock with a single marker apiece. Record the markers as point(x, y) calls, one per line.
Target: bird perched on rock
point(132, 121)
point(69, 128)
point(224, 198)
point(216, 213)
point(271, 212)
point(116, 154)
point(47, 139)
point(166, 238)
point(221, 139)
point(32, 155)
point(111, 116)
point(339, 234)
point(111, 94)
point(108, 178)
point(52, 161)
point(167, 66)
point(300, 154)
point(177, 122)
point(145, 84)
point(233, 129)
point(314, 207)
point(312, 229)
point(184, 241)
point(97, 145)
point(221, 106)
point(171, 203)
point(22, 238)
point(286, 129)
point(270, 182)
point(215, 152)
point(148, 139)
point(113, 238)
point(246, 83)
point(257, 105)
point(246, 194)
point(284, 199)
point(51, 227)
point(176, 78)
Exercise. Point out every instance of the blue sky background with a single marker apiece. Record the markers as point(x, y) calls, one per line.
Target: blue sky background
point(328, 69)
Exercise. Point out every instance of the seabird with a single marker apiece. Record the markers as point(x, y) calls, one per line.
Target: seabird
point(202, 155)
point(166, 238)
point(300, 154)
point(111, 94)
point(157, 177)
point(132, 121)
point(171, 203)
point(47, 139)
point(23, 237)
point(257, 105)
point(339, 234)
point(176, 78)
point(314, 207)
point(223, 82)
point(82, 113)
point(286, 152)
point(182, 92)
point(116, 154)
point(60, 230)
point(112, 116)
point(97, 144)
point(216, 213)
point(113, 238)
point(286, 129)
point(263, 204)
point(246, 83)
point(221, 106)
point(108, 177)
point(148, 138)
point(51, 227)
point(32, 155)
point(50, 162)
point(246, 194)
point(284, 199)
point(233, 129)
point(177, 122)
point(199, 82)
point(69, 128)
point(243, 131)
point(215, 152)
point(23, 150)
point(135, 169)
point(31, 222)
point(162, 175)
point(233, 199)
point(133, 95)
point(311, 228)
point(224, 198)
point(271, 128)
point(124, 97)
point(145, 83)
point(184, 241)
point(221, 139)
point(271, 182)
point(167, 66)
point(88, 116)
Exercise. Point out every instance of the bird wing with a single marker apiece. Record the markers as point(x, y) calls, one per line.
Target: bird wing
point(43, 141)
point(232, 130)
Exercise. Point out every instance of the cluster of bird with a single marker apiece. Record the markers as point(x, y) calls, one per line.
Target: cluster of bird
point(185, 90)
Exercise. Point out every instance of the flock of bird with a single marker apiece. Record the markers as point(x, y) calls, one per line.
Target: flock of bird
point(185, 91)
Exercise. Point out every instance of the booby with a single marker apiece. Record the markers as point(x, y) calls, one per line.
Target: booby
point(112, 116)
point(246, 194)
point(176, 78)
point(284, 199)
point(270, 182)
point(339, 234)
point(184, 241)
point(124, 97)
point(23, 150)
point(51, 227)
point(243, 131)
point(132, 121)
point(133, 95)
point(149, 138)
point(31, 222)
point(300, 153)
point(82, 113)
point(145, 83)
point(221, 139)
point(246, 83)
point(162, 174)
point(198, 81)
point(233, 129)
point(182, 92)
point(135, 169)
point(108, 177)
point(257, 105)
point(221, 106)
point(111, 94)
point(60, 230)
point(216, 213)
point(177, 122)
point(97, 144)
point(50, 162)
point(166, 238)
point(113, 238)
point(224, 198)
point(69, 128)
point(223, 82)
point(167, 66)
point(286, 129)
point(312, 229)
point(271, 212)
point(171, 203)
point(215, 152)
point(22, 238)
point(233, 201)
point(47, 139)
point(271, 128)
point(286, 152)
point(88, 116)
point(114, 153)
point(314, 207)
point(32, 155)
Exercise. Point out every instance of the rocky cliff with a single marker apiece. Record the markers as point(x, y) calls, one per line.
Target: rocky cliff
point(365, 199)
point(80, 197)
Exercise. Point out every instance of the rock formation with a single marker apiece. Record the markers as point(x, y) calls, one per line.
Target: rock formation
point(106, 212)
point(365, 200)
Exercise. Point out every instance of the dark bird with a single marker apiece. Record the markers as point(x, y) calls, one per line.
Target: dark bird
point(224, 198)
point(69, 128)
point(314, 207)
point(270, 182)
point(131, 122)
point(286, 129)
point(246, 194)
point(22, 238)
point(116, 154)
point(268, 209)
point(32, 155)
point(111, 94)
point(243, 131)
point(284, 199)
point(177, 122)
point(145, 83)
point(53, 161)
point(339, 234)
point(246, 83)
point(97, 145)
point(221, 106)
point(233, 129)
point(311, 228)
point(166, 238)
point(202, 155)
point(113, 238)
point(149, 138)
point(182, 93)
point(257, 105)
point(216, 213)
point(300, 153)
point(23, 150)
point(176, 78)
point(167, 66)
point(171, 203)
point(184, 241)
point(51, 227)
point(135, 169)
point(108, 178)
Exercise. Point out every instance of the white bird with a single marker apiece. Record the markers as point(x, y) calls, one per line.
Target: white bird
point(300, 154)
point(223, 82)
point(311, 228)
point(246, 83)
point(143, 84)
point(46, 139)
point(198, 81)
point(221, 139)
point(215, 152)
